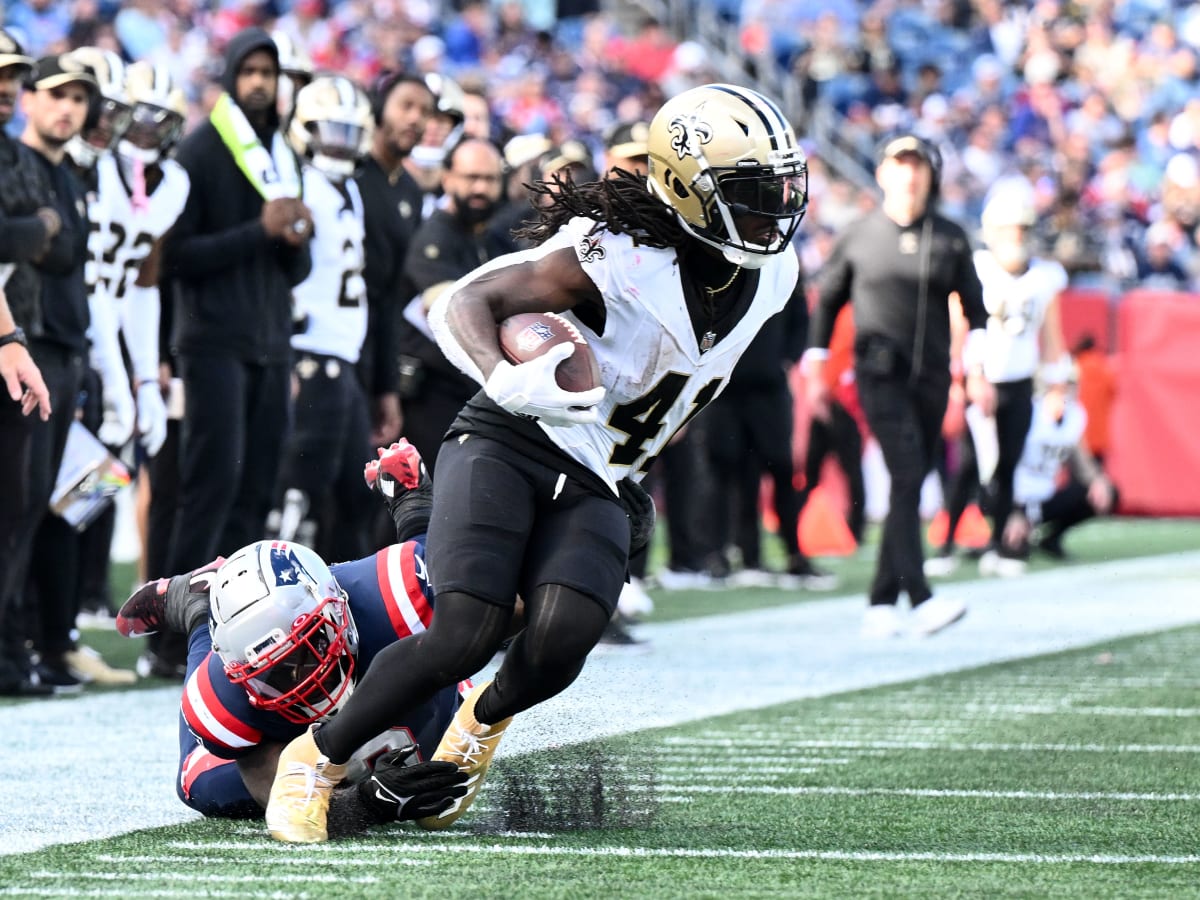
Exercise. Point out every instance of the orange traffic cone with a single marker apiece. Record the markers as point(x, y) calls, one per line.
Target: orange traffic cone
point(973, 529)
point(823, 530)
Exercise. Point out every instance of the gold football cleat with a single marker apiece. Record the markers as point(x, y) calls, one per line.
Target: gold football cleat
point(470, 745)
point(299, 801)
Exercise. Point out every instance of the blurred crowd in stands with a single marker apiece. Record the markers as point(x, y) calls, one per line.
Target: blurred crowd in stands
point(1095, 103)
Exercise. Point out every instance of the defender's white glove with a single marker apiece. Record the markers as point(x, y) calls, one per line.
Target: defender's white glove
point(151, 417)
point(530, 390)
point(119, 413)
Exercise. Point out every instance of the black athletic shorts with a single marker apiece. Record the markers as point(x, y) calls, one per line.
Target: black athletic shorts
point(502, 524)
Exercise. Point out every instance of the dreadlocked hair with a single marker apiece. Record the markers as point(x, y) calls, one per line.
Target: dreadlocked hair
point(621, 204)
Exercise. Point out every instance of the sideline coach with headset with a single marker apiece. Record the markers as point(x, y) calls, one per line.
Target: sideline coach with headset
point(900, 264)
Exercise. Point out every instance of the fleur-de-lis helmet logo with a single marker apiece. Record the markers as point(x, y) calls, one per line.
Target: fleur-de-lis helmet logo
point(688, 132)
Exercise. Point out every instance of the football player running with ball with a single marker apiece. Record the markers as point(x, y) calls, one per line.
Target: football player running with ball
point(668, 277)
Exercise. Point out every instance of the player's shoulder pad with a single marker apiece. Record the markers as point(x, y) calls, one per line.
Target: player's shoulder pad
point(216, 711)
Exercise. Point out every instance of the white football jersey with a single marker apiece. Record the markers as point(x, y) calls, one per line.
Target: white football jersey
point(121, 237)
point(334, 295)
point(1016, 306)
point(1048, 445)
point(649, 357)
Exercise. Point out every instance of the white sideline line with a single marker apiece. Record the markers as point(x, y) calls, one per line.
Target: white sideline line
point(1053, 709)
point(192, 860)
point(302, 878)
point(958, 746)
point(694, 669)
point(125, 892)
point(833, 791)
point(398, 847)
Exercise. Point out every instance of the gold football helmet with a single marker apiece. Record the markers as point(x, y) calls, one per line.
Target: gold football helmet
point(159, 112)
point(331, 125)
point(726, 160)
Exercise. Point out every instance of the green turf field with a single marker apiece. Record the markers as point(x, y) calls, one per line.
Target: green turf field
point(1066, 776)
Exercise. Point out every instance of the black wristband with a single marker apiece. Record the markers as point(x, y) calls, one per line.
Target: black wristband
point(16, 336)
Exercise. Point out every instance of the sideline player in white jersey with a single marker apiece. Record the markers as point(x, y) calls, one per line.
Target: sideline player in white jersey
point(321, 471)
point(668, 277)
point(1023, 339)
point(140, 194)
point(107, 120)
point(1043, 501)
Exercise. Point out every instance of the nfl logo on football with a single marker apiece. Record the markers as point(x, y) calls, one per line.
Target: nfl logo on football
point(534, 336)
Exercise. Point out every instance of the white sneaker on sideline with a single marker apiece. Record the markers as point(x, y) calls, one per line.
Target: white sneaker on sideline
point(681, 580)
point(634, 603)
point(935, 614)
point(752, 578)
point(992, 563)
point(881, 621)
point(941, 566)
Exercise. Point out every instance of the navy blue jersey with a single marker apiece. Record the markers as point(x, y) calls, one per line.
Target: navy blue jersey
point(390, 599)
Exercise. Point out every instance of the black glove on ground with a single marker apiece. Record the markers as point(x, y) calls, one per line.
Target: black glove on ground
point(401, 792)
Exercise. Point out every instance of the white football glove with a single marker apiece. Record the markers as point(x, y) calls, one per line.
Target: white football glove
point(119, 413)
point(530, 390)
point(151, 417)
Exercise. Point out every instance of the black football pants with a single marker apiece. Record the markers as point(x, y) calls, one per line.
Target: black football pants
point(325, 454)
point(906, 419)
point(1014, 413)
point(236, 417)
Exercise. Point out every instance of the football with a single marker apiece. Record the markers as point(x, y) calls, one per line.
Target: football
point(528, 335)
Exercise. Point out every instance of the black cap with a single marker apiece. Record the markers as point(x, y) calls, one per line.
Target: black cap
point(12, 53)
point(628, 140)
point(907, 143)
point(54, 71)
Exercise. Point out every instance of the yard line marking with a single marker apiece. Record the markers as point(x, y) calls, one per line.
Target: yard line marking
point(694, 853)
point(980, 747)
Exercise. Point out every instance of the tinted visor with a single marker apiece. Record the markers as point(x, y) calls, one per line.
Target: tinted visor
point(152, 127)
point(764, 192)
point(113, 119)
point(337, 140)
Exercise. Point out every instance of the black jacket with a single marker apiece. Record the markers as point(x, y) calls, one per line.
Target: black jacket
point(233, 282)
point(65, 316)
point(881, 266)
point(444, 250)
point(392, 214)
point(24, 189)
